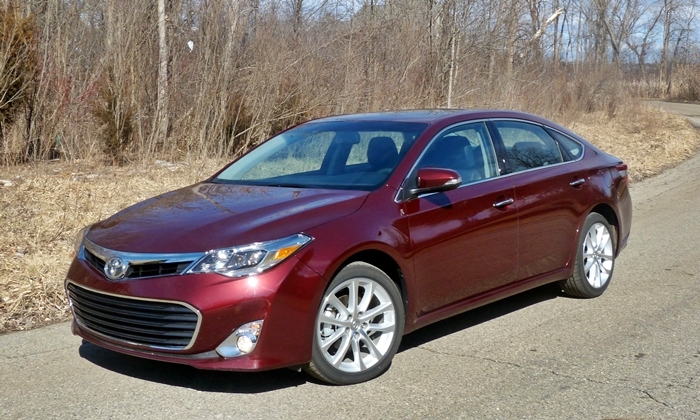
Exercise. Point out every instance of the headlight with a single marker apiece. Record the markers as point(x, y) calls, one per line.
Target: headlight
point(249, 259)
point(79, 239)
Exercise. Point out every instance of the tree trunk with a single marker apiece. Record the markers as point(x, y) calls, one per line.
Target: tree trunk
point(664, 73)
point(163, 58)
point(511, 37)
point(453, 65)
point(111, 27)
point(557, 39)
point(298, 6)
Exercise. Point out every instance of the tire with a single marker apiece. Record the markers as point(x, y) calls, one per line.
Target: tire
point(595, 259)
point(356, 334)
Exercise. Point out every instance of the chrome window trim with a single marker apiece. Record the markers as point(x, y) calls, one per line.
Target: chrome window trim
point(534, 169)
point(399, 193)
point(545, 127)
point(134, 258)
point(583, 147)
point(139, 345)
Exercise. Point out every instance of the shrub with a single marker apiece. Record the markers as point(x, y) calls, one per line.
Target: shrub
point(18, 63)
point(686, 83)
point(115, 118)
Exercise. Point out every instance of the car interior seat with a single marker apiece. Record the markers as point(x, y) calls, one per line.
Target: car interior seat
point(382, 153)
point(456, 153)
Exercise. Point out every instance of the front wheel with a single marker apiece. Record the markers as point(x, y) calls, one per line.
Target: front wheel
point(358, 326)
point(595, 259)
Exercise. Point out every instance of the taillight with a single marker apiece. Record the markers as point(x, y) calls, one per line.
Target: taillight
point(622, 170)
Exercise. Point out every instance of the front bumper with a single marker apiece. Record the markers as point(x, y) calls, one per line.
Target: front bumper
point(285, 297)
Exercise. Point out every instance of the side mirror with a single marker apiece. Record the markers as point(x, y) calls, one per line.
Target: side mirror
point(432, 180)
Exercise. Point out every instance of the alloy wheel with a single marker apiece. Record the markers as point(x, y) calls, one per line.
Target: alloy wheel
point(356, 325)
point(597, 255)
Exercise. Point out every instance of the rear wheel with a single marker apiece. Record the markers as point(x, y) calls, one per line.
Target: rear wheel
point(358, 326)
point(595, 259)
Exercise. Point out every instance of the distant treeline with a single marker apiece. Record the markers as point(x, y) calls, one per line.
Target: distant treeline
point(133, 79)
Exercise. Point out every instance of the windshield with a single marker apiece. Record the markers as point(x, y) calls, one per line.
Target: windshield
point(339, 155)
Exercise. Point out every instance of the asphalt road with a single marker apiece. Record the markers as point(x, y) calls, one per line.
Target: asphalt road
point(632, 353)
point(690, 111)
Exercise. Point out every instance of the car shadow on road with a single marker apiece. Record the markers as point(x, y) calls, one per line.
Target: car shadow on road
point(189, 377)
point(248, 383)
point(479, 315)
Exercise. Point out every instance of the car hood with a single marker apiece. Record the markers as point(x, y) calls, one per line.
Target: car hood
point(209, 216)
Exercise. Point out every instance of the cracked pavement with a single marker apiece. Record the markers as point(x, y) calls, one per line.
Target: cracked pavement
point(633, 353)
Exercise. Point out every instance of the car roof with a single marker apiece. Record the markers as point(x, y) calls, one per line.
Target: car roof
point(432, 115)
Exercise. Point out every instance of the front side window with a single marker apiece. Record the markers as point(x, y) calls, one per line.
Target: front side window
point(340, 155)
point(527, 145)
point(466, 149)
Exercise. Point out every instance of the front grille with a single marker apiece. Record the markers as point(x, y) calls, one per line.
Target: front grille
point(138, 271)
point(157, 324)
point(152, 270)
point(94, 261)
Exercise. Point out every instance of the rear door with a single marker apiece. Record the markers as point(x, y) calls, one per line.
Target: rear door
point(551, 194)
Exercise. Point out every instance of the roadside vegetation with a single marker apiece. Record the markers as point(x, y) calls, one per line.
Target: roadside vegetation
point(107, 102)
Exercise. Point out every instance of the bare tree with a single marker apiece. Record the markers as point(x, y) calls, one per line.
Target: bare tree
point(639, 29)
point(162, 110)
point(214, 77)
point(297, 16)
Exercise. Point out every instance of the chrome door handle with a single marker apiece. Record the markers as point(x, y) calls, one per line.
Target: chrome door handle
point(578, 182)
point(504, 203)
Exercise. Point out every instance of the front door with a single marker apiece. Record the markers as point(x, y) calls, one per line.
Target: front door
point(465, 241)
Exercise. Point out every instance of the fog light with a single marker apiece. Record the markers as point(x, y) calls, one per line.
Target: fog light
point(242, 341)
point(245, 344)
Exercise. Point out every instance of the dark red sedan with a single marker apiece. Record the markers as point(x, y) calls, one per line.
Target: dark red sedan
point(324, 245)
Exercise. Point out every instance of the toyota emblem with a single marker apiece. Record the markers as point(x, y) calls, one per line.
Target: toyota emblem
point(115, 268)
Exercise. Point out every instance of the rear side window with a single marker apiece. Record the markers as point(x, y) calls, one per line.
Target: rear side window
point(528, 145)
point(570, 148)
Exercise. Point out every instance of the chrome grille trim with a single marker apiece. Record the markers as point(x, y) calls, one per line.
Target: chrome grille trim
point(141, 265)
point(145, 323)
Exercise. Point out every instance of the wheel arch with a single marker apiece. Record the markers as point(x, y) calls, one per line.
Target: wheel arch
point(362, 263)
point(609, 214)
point(384, 262)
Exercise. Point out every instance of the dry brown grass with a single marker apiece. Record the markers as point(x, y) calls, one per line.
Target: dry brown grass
point(46, 205)
point(648, 140)
point(42, 208)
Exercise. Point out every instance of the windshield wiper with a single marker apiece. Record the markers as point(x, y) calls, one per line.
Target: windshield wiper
point(286, 185)
point(258, 183)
